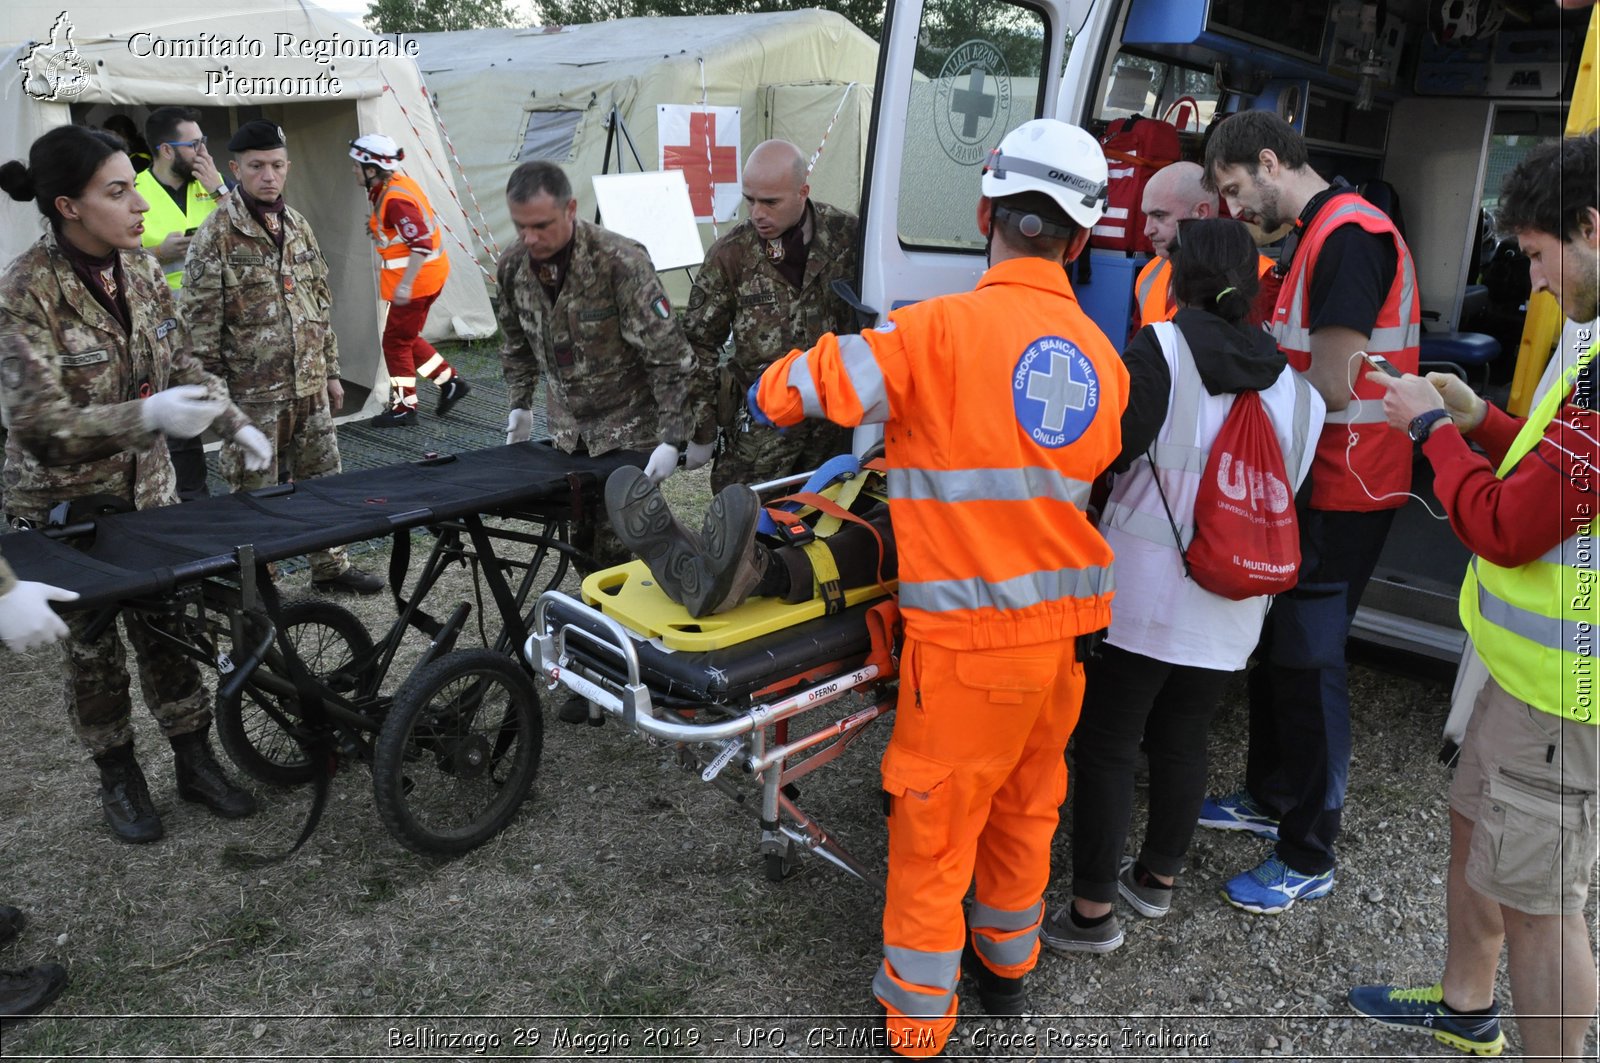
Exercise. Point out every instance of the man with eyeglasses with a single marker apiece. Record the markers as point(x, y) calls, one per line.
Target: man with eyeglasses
point(182, 187)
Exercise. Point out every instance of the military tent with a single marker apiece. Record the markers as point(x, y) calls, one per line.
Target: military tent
point(323, 79)
point(506, 95)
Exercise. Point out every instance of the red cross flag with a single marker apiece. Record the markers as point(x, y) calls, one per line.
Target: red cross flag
point(703, 142)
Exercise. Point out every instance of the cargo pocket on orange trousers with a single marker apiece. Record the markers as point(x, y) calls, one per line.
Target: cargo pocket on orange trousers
point(917, 793)
point(1004, 679)
point(1528, 834)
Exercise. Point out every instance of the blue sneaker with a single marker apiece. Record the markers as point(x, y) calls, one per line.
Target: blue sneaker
point(1238, 812)
point(1424, 1011)
point(1271, 887)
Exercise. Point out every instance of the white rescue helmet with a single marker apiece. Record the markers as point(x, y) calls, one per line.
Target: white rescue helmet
point(375, 149)
point(1050, 156)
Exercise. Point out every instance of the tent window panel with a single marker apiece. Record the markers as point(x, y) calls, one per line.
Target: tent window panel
point(549, 136)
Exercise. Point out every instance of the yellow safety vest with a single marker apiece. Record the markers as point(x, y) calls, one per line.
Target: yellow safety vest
point(164, 216)
point(1535, 625)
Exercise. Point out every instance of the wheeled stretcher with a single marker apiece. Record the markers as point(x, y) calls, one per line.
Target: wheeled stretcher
point(753, 699)
point(455, 747)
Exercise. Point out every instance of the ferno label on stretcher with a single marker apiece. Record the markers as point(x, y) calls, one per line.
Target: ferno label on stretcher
point(630, 595)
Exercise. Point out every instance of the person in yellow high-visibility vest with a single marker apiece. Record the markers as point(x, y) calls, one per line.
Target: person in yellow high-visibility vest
point(412, 268)
point(183, 188)
point(1523, 803)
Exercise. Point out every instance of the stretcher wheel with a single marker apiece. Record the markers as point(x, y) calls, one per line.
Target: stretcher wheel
point(458, 752)
point(330, 640)
point(779, 866)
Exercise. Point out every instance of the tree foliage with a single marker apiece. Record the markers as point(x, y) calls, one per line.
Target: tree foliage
point(866, 14)
point(433, 16)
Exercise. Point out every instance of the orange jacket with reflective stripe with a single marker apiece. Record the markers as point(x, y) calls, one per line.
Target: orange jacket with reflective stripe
point(1000, 405)
point(1381, 457)
point(1153, 289)
point(395, 253)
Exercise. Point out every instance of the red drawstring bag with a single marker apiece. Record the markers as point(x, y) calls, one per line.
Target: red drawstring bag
point(1246, 536)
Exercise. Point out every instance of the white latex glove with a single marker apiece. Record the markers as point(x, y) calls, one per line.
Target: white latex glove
point(519, 426)
point(180, 412)
point(698, 454)
point(257, 451)
point(662, 464)
point(26, 619)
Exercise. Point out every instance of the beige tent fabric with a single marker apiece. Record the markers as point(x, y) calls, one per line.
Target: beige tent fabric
point(380, 93)
point(791, 73)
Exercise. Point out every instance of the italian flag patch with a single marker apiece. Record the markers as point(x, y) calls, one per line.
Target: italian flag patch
point(662, 308)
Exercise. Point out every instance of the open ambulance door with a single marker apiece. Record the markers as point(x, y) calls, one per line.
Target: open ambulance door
point(953, 79)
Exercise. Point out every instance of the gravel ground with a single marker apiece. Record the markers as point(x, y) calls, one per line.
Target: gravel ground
point(624, 914)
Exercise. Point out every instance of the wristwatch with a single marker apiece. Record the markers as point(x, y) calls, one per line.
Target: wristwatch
point(1423, 423)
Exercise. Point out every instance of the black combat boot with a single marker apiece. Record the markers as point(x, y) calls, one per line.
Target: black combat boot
point(30, 990)
point(11, 922)
point(732, 561)
point(999, 996)
point(125, 798)
point(644, 522)
point(200, 777)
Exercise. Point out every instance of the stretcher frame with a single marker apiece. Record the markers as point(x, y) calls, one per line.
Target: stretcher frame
point(221, 609)
point(589, 653)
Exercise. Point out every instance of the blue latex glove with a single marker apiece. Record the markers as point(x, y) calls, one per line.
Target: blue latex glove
point(756, 413)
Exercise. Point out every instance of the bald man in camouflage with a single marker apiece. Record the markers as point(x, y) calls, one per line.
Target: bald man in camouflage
point(768, 283)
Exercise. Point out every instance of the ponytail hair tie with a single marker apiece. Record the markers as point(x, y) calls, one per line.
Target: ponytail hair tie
point(1220, 294)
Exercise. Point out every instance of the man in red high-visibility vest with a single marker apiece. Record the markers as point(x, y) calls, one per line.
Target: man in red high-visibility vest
point(411, 273)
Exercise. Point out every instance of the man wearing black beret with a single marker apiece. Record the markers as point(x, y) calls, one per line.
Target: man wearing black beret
point(255, 297)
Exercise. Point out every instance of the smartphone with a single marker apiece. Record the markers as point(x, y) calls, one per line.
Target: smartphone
point(191, 232)
point(1380, 363)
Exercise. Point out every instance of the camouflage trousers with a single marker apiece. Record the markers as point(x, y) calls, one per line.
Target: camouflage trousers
point(305, 445)
point(763, 454)
point(96, 680)
point(592, 533)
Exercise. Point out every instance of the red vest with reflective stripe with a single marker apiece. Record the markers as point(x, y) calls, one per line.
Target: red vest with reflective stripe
point(1381, 456)
point(1153, 290)
point(393, 250)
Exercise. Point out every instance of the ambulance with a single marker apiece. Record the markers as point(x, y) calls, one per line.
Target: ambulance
point(1423, 105)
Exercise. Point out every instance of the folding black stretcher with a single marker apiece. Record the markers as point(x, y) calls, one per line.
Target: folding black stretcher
point(454, 750)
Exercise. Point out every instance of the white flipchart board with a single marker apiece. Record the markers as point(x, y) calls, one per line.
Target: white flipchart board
point(653, 208)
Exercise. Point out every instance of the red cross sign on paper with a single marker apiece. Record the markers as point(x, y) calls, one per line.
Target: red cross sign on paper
point(704, 162)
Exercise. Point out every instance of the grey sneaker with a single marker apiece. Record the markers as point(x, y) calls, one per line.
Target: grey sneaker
point(1152, 902)
point(1064, 935)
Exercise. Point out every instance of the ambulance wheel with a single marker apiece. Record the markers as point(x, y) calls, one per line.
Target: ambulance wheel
point(254, 725)
point(458, 752)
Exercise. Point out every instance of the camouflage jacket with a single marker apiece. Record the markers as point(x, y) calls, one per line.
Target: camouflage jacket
point(738, 290)
point(618, 373)
point(258, 318)
point(71, 381)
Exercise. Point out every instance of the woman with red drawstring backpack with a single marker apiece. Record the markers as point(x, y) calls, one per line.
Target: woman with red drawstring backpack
point(1172, 643)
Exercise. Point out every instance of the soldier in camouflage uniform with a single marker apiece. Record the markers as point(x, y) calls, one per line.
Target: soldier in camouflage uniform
point(255, 297)
point(768, 283)
point(583, 310)
point(95, 374)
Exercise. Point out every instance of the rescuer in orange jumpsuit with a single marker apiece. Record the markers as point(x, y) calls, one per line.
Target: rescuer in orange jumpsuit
point(1000, 406)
